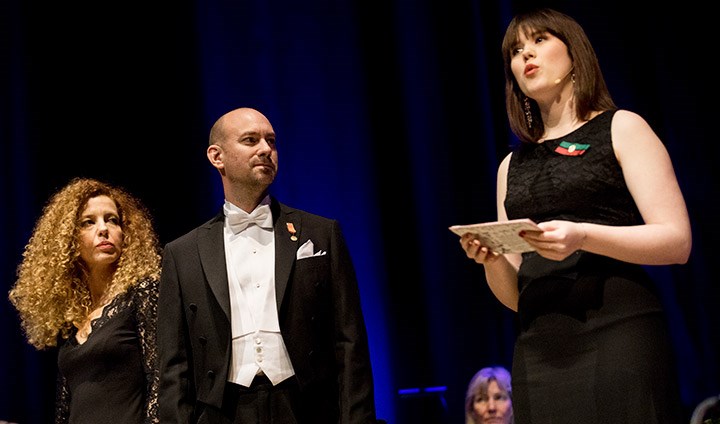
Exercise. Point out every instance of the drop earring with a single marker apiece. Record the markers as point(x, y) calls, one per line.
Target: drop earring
point(528, 113)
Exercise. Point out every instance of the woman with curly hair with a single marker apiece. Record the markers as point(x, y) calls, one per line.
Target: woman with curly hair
point(88, 282)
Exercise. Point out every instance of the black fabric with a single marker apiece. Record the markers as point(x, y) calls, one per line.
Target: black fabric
point(112, 377)
point(593, 347)
point(261, 403)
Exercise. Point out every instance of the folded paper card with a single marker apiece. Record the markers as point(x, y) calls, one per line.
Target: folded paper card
point(500, 236)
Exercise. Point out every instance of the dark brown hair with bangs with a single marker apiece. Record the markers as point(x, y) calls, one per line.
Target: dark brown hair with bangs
point(591, 92)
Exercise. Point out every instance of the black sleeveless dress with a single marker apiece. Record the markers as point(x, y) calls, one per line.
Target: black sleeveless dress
point(593, 345)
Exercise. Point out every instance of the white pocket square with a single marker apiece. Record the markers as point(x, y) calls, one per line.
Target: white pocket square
point(307, 251)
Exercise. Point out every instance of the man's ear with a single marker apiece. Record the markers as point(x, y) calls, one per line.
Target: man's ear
point(214, 155)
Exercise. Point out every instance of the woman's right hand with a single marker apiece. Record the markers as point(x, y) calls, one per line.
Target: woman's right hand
point(475, 250)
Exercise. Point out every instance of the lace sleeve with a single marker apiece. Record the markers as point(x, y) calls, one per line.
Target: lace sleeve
point(62, 401)
point(146, 297)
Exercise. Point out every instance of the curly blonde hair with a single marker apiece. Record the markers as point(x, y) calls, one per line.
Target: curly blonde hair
point(51, 294)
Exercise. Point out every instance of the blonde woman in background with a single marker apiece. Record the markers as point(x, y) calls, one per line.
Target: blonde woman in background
point(88, 283)
point(489, 397)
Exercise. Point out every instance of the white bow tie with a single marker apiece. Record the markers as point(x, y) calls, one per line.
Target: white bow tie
point(261, 217)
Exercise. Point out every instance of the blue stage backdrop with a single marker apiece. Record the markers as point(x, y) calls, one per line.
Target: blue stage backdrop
point(390, 117)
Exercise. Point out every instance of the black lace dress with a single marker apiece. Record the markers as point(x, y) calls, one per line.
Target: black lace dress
point(593, 345)
point(112, 377)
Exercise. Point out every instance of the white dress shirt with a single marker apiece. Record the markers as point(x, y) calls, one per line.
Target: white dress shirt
point(257, 345)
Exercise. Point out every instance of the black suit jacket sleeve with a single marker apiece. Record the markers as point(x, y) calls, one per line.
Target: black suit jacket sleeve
point(351, 344)
point(323, 325)
point(176, 394)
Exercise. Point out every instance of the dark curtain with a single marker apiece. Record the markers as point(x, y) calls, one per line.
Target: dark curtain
point(390, 117)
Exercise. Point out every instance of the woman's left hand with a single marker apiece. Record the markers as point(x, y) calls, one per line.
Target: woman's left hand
point(557, 240)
